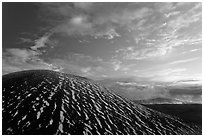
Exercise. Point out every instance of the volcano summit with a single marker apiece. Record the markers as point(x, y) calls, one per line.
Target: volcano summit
point(48, 102)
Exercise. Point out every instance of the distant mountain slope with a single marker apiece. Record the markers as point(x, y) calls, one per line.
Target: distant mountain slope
point(47, 102)
point(136, 89)
point(190, 113)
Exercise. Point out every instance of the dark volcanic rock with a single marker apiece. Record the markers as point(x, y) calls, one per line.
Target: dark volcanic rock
point(47, 102)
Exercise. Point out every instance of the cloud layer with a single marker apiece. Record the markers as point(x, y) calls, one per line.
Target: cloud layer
point(136, 36)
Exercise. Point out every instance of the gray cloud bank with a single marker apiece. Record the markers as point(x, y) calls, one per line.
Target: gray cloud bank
point(104, 20)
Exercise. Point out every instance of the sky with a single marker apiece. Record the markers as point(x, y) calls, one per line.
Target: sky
point(155, 41)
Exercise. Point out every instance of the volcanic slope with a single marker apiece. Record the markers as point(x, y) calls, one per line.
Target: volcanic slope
point(48, 102)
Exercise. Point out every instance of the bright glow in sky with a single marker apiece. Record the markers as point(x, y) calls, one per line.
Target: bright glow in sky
point(157, 41)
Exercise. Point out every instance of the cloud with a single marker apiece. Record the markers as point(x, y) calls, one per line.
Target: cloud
point(86, 70)
point(182, 61)
point(168, 28)
point(133, 53)
point(18, 59)
point(155, 39)
point(143, 21)
point(137, 91)
point(93, 19)
point(83, 65)
point(126, 17)
point(194, 14)
point(169, 71)
point(193, 50)
point(164, 7)
point(92, 67)
point(75, 25)
point(67, 66)
point(22, 59)
point(25, 40)
point(83, 5)
point(21, 55)
point(116, 64)
point(190, 93)
point(42, 41)
point(171, 78)
point(161, 73)
point(172, 14)
point(156, 29)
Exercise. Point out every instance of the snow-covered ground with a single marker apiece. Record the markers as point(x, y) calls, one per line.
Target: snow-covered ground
point(47, 102)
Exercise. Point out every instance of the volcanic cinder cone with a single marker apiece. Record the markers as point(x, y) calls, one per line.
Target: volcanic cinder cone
point(47, 102)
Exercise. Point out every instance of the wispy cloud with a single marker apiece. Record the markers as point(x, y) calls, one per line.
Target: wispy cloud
point(84, 65)
point(25, 40)
point(163, 74)
point(157, 39)
point(154, 31)
point(17, 59)
point(22, 59)
point(116, 64)
point(182, 61)
point(93, 19)
point(132, 53)
point(88, 19)
point(41, 42)
point(169, 71)
point(192, 50)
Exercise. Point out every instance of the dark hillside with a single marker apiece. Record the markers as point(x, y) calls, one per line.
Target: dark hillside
point(48, 102)
point(190, 113)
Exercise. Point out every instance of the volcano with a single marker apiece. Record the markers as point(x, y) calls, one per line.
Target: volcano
point(47, 102)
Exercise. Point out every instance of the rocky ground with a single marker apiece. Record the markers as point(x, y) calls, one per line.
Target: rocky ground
point(48, 102)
